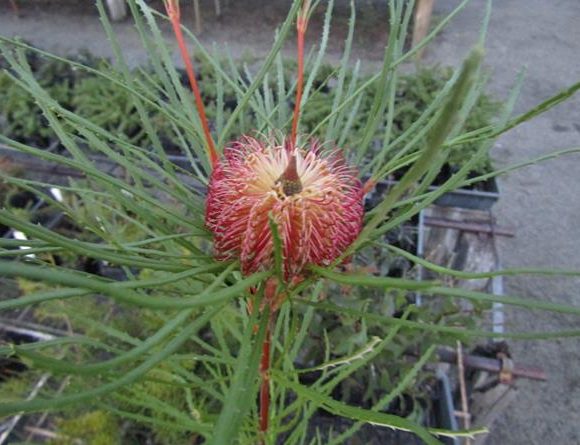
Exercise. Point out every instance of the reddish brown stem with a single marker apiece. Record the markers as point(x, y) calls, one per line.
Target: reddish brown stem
point(172, 8)
point(301, 25)
point(265, 385)
point(14, 6)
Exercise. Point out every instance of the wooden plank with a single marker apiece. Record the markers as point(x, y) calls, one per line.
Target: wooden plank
point(197, 14)
point(117, 9)
point(423, 11)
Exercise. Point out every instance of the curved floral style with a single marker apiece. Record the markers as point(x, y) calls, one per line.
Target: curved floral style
point(311, 194)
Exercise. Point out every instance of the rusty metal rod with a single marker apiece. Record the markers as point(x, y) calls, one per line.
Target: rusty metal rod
point(467, 226)
point(490, 364)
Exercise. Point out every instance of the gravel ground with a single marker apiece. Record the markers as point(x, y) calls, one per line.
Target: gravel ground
point(541, 201)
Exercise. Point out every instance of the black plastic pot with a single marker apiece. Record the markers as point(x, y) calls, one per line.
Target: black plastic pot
point(12, 367)
point(472, 199)
point(440, 415)
point(444, 408)
point(481, 199)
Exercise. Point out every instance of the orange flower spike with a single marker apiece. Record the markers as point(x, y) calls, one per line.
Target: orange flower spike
point(173, 12)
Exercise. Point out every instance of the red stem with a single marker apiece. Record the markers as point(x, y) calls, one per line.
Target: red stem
point(172, 8)
point(301, 24)
point(265, 385)
point(14, 6)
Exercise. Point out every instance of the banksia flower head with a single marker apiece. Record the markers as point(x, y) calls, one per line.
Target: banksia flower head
point(313, 197)
point(267, 198)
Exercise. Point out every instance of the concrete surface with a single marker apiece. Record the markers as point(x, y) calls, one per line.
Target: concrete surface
point(541, 201)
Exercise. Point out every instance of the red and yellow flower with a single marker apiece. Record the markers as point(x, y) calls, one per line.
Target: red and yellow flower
point(312, 195)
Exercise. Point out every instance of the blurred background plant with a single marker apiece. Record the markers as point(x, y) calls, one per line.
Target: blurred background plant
point(22, 121)
point(148, 337)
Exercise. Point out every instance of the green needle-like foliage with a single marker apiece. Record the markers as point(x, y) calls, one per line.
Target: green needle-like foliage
point(163, 337)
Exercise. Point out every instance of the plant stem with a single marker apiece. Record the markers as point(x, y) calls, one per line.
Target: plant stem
point(271, 297)
point(301, 25)
point(265, 385)
point(172, 8)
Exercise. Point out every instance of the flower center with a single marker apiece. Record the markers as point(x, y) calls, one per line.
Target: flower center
point(291, 187)
point(290, 180)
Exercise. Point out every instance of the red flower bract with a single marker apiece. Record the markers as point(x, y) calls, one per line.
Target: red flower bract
point(317, 205)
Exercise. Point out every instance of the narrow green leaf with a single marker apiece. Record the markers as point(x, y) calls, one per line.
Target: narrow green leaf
point(263, 70)
point(119, 291)
point(61, 366)
point(432, 289)
point(435, 138)
point(455, 331)
point(384, 402)
point(278, 255)
point(354, 413)
point(370, 280)
point(127, 379)
point(344, 66)
point(476, 275)
point(242, 391)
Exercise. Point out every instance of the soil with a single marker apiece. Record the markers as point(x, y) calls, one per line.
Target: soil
point(541, 200)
